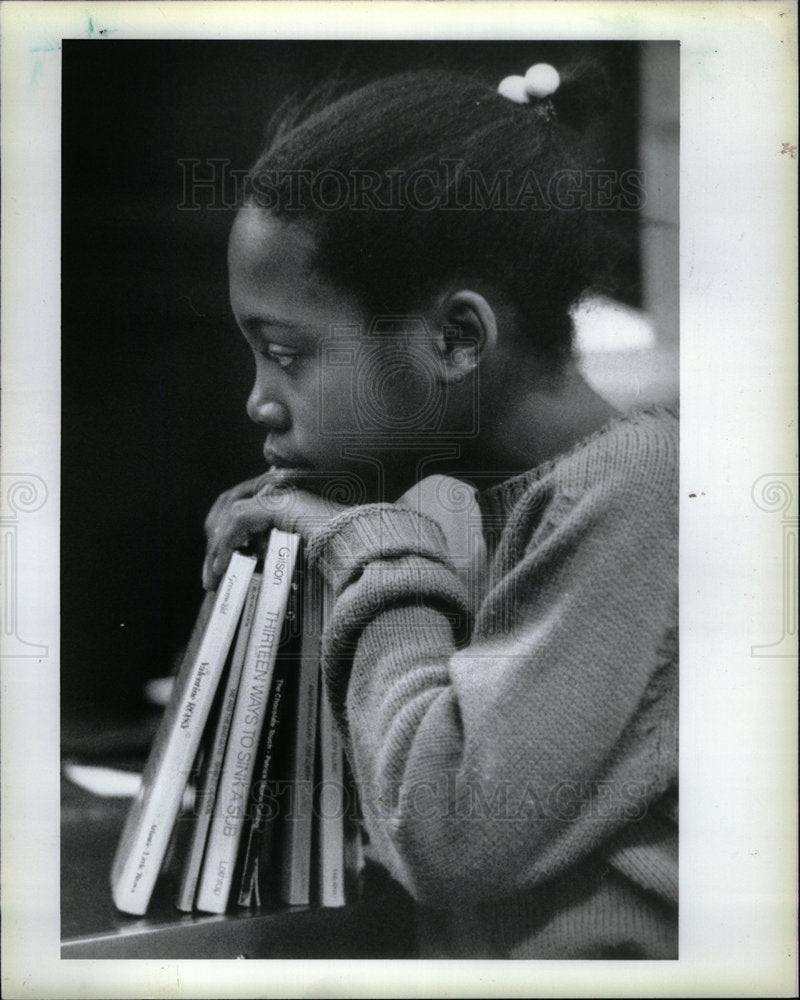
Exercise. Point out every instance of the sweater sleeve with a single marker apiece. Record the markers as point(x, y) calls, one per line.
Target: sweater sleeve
point(489, 762)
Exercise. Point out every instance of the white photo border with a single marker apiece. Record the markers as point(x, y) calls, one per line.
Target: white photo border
point(738, 472)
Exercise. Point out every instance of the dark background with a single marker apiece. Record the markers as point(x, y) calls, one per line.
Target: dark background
point(154, 374)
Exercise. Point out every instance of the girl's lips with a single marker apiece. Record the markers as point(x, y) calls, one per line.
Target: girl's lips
point(276, 461)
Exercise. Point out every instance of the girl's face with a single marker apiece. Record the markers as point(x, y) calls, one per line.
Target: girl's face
point(331, 397)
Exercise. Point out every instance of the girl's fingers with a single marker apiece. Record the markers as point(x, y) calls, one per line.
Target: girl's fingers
point(238, 521)
point(219, 509)
point(244, 514)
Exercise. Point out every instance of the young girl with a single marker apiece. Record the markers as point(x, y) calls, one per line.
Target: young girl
point(403, 268)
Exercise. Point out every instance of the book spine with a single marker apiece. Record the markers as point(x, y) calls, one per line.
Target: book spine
point(296, 870)
point(212, 766)
point(199, 627)
point(233, 793)
point(330, 798)
point(148, 826)
point(267, 800)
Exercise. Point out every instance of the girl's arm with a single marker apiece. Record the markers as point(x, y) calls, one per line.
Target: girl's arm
point(491, 757)
point(490, 767)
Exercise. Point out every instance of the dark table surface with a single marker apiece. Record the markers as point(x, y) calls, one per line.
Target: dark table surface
point(379, 923)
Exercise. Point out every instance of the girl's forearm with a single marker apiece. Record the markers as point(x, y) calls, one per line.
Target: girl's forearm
point(488, 767)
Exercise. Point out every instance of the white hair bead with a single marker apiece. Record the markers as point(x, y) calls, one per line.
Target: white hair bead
point(515, 89)
point(541, 80)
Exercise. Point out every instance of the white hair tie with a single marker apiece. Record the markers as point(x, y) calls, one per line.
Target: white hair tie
point(541, 81)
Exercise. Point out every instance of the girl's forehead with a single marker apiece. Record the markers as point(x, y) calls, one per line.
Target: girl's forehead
point(260, 240)
point(271, 265)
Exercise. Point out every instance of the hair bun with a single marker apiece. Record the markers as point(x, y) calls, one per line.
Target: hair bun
point(585, 95)
point(578, 92)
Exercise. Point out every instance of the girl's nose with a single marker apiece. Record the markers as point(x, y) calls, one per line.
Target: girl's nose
point(267, 411)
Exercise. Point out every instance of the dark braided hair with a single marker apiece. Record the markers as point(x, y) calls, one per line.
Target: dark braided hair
point(429, 177)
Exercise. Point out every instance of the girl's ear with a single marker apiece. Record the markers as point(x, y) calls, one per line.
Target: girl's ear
point(467, 332)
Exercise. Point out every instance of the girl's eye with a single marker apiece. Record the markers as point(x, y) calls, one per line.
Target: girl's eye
point(282, 356)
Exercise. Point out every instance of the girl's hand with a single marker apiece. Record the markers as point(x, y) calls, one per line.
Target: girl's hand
point(243, 515)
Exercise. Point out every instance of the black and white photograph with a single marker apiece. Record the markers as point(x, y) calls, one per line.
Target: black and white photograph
point(401, 260)
point(384, 498)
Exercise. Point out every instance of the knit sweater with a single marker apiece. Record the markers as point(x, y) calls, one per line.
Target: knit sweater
point(516, 753)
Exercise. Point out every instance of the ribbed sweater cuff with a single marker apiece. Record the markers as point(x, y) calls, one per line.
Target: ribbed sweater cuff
point(376, 531)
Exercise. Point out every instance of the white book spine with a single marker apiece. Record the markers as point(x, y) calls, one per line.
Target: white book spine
point(150, 823)
point(204, 804)
point(331, 799)
point(232, 804)
point(296, 873)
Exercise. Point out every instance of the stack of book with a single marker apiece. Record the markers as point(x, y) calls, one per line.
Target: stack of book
point(248, 727)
